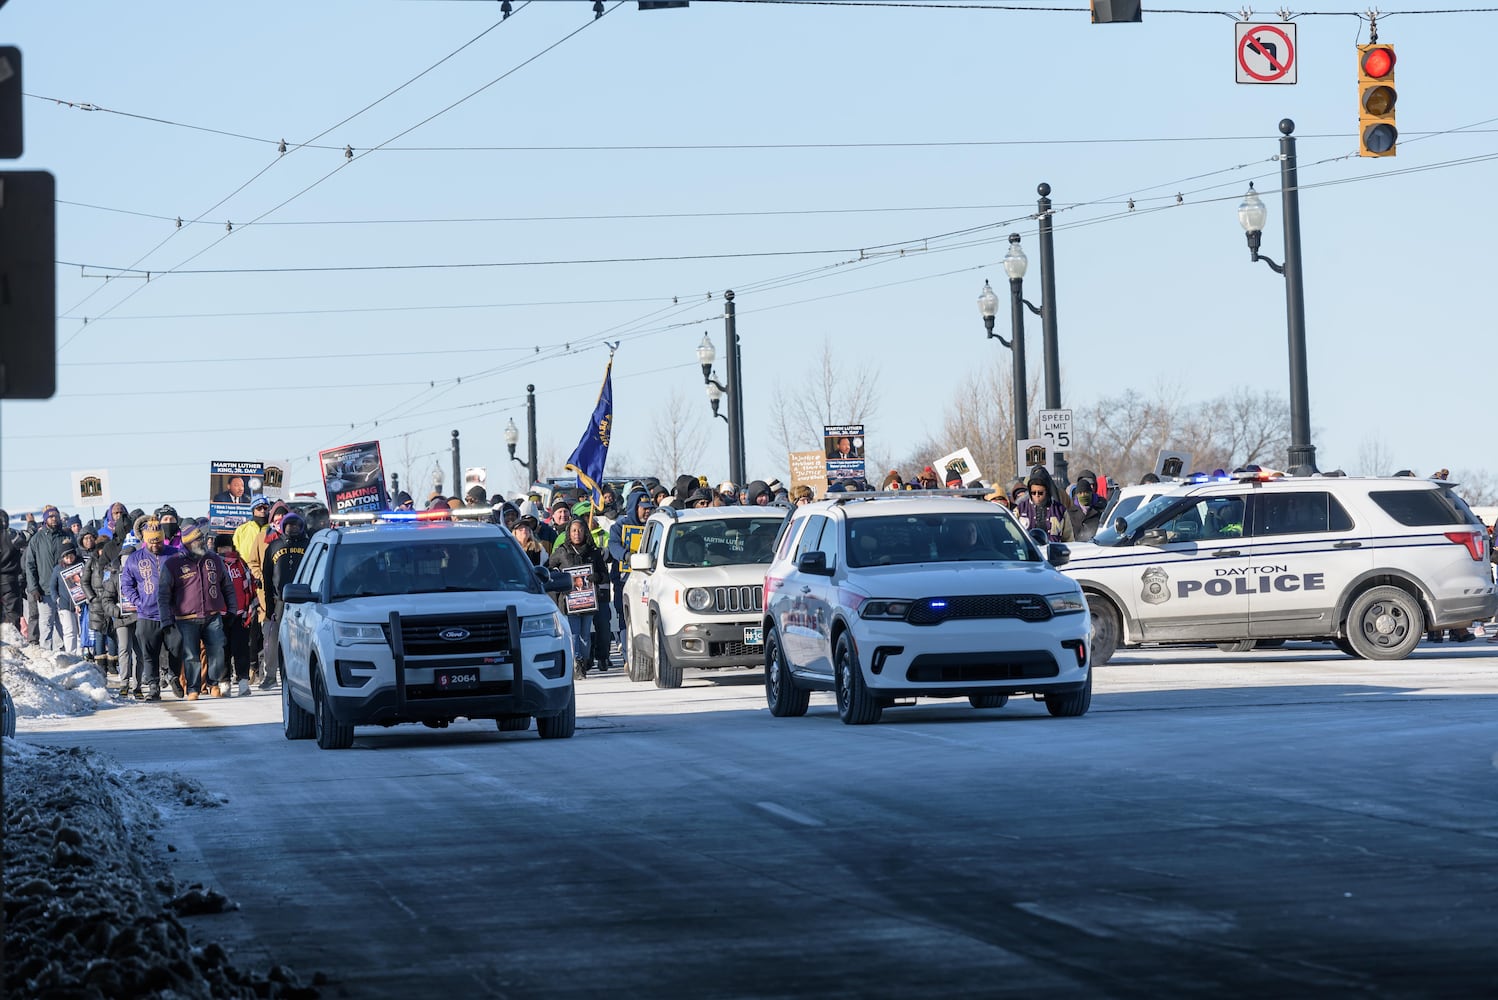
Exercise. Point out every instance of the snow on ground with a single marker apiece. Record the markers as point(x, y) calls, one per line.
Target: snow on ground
point(91, 908)
point(44, 684)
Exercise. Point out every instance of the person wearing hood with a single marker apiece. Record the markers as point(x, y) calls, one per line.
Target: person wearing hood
point(282, 559)
point(757, 493)
point(1084, 515)
point(578, 551)
point(624, 540)
point(116, 511)
point(171, 526)
point(194, 594)
point(12, 576)
point(102, 584)
point(61, 595)
point(1041, 507)
point(43, 553)
point(681, 492)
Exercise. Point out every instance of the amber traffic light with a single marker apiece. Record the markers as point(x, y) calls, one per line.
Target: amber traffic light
point(1376, 98)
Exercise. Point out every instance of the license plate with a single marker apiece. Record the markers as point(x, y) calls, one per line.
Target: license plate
point(754, 635)
point(455, 680)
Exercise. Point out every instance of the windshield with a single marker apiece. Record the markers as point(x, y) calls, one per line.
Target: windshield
point(1107, 533)
point(430, 567)
point(916, 538)
point(737, 541)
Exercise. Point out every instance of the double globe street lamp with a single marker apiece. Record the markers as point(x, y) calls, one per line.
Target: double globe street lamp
point(512, 437)
point(734, 389)
point(1015, 265)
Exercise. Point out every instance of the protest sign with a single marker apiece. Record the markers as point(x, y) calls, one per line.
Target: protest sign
point(1032, 452)
point(353, 477)
point(90, 488)
point(960, 464)
point(582, 599)
point(842, 444)
point(231, 484)
point(72, 578)
point(276, 484)
point(809, 468)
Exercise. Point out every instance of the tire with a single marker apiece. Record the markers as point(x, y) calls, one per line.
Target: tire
point(8, 725)
point(1241, 646)
point(1346, 647)
point(855, 705)
point(639, 667)
point(1385, 623)
point(514, 724)
point(667, 673)
point(559, 727)
point(296, 722)
point(331, 734)
point(1268, 643)
point(1072, 704)
point(786, 701)
point(1105, 629)
point(988, 700)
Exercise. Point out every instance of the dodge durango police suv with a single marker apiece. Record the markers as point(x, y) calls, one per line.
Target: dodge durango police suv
point(886, 597)
point(417, 620)
point(1369, 564)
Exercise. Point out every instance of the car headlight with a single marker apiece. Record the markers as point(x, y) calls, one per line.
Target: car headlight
point(1066, 604)
point(885, 610)
point(535, 625)
point(353, 633)
point(699, 599)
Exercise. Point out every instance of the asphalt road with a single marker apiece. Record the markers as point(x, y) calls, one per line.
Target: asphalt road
point(1285, 823)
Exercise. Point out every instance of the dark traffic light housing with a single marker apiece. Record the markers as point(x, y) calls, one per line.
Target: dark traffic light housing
point(1376, 98)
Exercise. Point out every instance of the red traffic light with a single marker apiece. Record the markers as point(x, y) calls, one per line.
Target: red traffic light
point(1378, 62)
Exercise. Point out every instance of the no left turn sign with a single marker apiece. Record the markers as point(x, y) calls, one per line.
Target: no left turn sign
point(1265, 53)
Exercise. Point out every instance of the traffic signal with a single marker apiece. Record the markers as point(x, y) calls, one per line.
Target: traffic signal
point(1376, 98)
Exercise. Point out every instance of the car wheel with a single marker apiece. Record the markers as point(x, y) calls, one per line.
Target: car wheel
point(855, 705)
point(1384, 623)
point(296, 722)
point(1105, 628)
point(331, 734)
point(785, 699)
point(561, 726)
point(988, 700)
point(1346, 647)
point(513, 723)
point(1072, 703)
point(667, 673)
point(639, 667)
point(1241, 646)
point(8, 726)
point(1268, 643)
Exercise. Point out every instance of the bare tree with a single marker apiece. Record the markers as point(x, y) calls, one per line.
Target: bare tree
point(678, 433)
point(831, 393)
point(1477, 487)
point(1374, 457)
point(980, 417)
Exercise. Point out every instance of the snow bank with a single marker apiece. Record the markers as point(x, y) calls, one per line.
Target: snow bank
point(91, 908)
point(48, 685)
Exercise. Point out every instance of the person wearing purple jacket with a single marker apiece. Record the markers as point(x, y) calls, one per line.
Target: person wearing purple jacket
point(1041, 508)
point(139, 579)
point(194, 593)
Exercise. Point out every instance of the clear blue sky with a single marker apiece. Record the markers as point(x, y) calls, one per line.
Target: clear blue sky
point(1401, 346)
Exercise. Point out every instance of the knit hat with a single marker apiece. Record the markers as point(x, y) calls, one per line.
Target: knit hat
point(727, 486)
point(775, 486)
point(402, 498)
point(49, 510)
point(152, 532)
point(192, 531)
point(258, 501)
point(67, 549)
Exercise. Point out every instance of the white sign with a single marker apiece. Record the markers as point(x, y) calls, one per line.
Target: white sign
point(960, 462)
point(1031, 452)
point(277, 482)
point(1055, 427)
point(475, 477)
point(91, 488)
point(1173, 464)
point(1265, 53)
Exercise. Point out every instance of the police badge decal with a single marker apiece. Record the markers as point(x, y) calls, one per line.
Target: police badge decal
point(1156, 588)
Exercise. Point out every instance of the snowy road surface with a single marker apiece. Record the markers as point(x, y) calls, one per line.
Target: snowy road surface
point(1286, 821)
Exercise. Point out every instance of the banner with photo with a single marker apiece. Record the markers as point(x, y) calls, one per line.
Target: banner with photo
point(353, 477)
point(582, 599)
point(959, 466)
point(72, 578)
point(277, 481)
point(842, 444)
point(231, 484)
point(90, 488)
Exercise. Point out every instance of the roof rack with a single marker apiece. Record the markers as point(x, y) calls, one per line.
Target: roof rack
point(907, 494)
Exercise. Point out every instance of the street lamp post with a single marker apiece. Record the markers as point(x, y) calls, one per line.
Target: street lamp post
point(1048, 317)
point(1252, 216)
point(457, 466)
point(706, 355)
point(512, 436)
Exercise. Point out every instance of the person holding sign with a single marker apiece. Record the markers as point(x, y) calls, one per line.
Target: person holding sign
point(581, 559)
point(66, 593)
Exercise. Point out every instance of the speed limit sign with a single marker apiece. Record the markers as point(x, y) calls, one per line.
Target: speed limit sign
point(1055, 427)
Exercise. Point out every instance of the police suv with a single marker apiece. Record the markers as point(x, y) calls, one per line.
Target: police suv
point(1369, 564)
point(415, 617)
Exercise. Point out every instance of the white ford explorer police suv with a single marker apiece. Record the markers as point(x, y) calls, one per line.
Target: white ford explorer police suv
point(694, 596)
point(421, 621)
point(1369, 564)
point(885, 597)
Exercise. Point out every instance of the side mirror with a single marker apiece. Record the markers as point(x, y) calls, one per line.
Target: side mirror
point(1154, 536)
point(1121, 528)
point(642, 562)
point(1057, 554)
point(297, 593)
point(814, 563)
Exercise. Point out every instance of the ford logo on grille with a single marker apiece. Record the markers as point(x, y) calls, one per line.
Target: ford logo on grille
point(453, 634)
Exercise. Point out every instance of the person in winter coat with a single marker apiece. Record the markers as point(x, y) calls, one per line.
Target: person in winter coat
point(1084, 516)
point(238, 626)
point(525, 533)
point(43, 552)
point(171, 526)
point(757, 493)
point(624, 538)
point(102, 582)
point(578, 551)
point(116, 511)
point(12, 575)
point(194, 594)
point(140, 576)
point(282, 559)
point(61, 596)
point(1041, 508)
point(247, 535)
